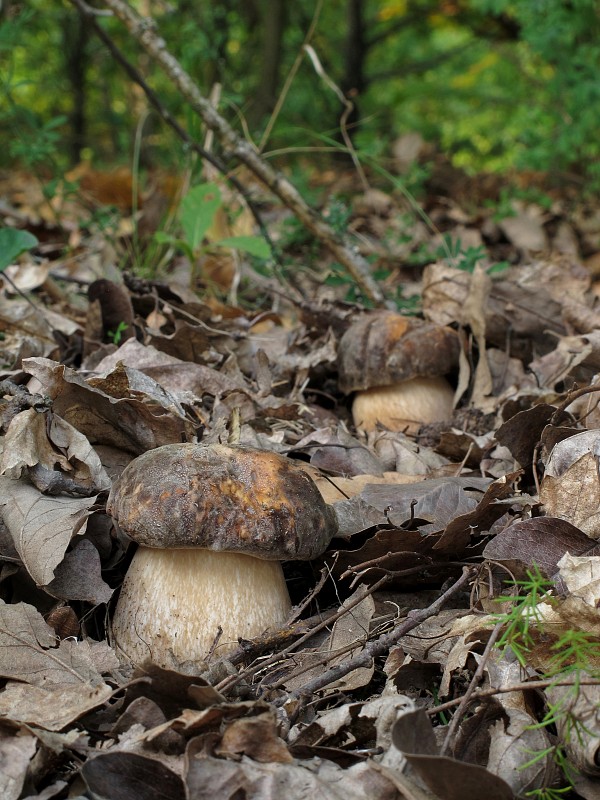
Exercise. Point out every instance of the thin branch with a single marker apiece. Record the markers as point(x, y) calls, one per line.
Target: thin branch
point(230, 682)
point(454, 722)
point(170, 120)
point(143, 30)
point(526, 686)
point(381, 645)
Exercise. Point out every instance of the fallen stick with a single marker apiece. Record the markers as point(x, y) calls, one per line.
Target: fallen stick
point(143, 30)
point(381, 645)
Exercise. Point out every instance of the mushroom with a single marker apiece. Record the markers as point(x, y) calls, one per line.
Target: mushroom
point(395, 365)
point(212, 523)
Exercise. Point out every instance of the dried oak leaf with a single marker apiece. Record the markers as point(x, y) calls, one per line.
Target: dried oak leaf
point(51, 683)
point(56, 456)
point(453, 780)
point(41, 527)
point(126, 409)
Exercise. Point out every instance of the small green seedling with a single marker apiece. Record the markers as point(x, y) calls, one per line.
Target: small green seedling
point(196, 215)
point(117, 335)
point(12, 243)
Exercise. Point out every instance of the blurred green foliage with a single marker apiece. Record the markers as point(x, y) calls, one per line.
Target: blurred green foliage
point(496, 84)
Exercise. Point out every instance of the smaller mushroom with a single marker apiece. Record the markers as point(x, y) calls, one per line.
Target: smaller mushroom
point(212, 523)
point(396, 367)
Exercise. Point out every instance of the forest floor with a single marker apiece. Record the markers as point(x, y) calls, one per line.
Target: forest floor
point(446, 643)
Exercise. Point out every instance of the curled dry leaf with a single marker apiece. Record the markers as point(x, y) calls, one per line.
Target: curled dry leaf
point(578, 722)
point(453, 780)
point(582, 575)
point(44, 442)
point(126, 409)
point(570, 488)
point(41, 527)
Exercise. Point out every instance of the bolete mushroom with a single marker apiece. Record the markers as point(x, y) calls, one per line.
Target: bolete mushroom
point(396, 367)
point(212, 523)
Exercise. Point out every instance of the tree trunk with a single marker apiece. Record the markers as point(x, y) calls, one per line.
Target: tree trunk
point(75, 33)
point(273, 21)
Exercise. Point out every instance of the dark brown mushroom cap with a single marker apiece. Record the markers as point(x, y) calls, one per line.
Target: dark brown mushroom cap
point(235, 499)
point(384, 348)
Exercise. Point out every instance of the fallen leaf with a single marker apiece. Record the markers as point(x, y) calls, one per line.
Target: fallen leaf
point(41, 527)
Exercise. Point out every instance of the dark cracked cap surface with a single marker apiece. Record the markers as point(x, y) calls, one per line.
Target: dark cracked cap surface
point(220, 497)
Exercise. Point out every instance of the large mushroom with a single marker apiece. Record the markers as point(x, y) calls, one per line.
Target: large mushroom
point(396, 365)
point(212, 523)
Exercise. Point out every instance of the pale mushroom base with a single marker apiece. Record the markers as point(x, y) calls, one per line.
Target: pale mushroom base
point(173, 602)
point(404, 406)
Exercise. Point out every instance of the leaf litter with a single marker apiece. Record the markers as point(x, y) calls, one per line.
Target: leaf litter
point(385, 682)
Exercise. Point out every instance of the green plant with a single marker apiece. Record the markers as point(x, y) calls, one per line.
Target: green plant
point(196, 215)
point(574, 653)
point(519, 622)
point(12, 244)
point(503, 207)
point(117, 334)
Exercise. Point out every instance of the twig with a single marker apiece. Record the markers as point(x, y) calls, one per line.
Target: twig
point(143, 30)
point(471, 688)
point(166, 115)
point(381, 645)
point(570, 398)
point(231, 681)
point(517, 687)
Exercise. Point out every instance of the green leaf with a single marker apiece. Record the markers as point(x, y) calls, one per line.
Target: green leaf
point(163, 238)
point(198, 209)
point(12, 243)
point(253, 245)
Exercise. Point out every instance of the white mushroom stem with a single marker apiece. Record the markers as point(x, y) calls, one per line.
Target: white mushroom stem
point(173, 603)
point(403, 406)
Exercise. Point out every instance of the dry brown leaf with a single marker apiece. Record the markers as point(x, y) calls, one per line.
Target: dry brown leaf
point(336, 451)
point(17, 748)
point(79, 576)
point(570, 488)
point(582, 708)
point(121, 775)
point(255, 737)
point(352, 628)
point(526, 228)
point(209, 778)
point(125, 410)
point(447, 778)
point(582, 576)
point(540, 541)
point(58, 682)
point(41, 527)
point(474, 316)
point(56, 456)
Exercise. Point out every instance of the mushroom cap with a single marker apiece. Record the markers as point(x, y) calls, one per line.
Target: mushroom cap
point(383, 348)
point(219, 497)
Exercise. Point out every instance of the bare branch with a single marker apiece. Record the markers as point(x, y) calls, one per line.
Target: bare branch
point(143, 30)
point(381, 645)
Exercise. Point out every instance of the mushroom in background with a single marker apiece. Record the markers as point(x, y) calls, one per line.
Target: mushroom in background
point(396, 367)
point(212, 523)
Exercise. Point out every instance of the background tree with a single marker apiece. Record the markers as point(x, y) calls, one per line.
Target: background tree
point(494, 83)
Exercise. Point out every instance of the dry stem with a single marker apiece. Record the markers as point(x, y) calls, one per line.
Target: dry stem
point(143, 30)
